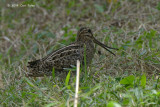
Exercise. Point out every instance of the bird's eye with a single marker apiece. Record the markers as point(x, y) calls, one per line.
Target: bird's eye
point(89, 30)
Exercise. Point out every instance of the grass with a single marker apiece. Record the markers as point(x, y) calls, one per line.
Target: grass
point(131, 78)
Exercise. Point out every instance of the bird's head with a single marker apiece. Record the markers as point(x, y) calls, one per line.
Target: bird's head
point(85, 35)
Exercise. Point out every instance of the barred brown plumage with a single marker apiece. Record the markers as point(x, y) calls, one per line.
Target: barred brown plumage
point(68, 55)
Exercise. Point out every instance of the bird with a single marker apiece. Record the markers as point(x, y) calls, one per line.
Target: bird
point(67, 56)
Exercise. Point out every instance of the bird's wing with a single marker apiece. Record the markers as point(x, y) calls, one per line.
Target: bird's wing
point(64, 57)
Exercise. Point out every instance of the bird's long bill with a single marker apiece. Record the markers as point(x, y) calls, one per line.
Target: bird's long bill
point(104, 46)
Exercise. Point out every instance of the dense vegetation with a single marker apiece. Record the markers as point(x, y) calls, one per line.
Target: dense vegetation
point(131, 78)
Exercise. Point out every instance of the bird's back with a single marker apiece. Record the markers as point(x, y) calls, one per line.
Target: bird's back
point(68, 55)
point(59, 60)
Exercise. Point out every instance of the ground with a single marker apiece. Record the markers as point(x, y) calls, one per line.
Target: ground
point(31, 29)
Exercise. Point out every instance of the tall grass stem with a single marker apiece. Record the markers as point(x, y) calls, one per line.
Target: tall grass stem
point(77, 84)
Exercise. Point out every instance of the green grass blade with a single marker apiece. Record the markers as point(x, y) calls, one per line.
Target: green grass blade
point(67, 79)
point(53, 73)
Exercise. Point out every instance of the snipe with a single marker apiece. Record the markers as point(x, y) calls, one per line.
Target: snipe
point(68, 55)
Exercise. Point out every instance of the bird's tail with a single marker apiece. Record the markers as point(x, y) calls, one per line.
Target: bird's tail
point(34, 67)
point(33, 63)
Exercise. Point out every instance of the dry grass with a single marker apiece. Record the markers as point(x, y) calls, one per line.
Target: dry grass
point(28, 33)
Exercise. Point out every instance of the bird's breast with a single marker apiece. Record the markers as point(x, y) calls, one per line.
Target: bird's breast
point(90, 50)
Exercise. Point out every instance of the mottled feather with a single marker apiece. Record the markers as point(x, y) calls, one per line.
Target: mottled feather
point(67, 56)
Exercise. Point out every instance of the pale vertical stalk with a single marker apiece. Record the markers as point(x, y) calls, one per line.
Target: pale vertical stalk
point(77, 84)
point(1, 81)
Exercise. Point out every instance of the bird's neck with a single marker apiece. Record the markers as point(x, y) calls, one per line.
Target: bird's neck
point(84, 40)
